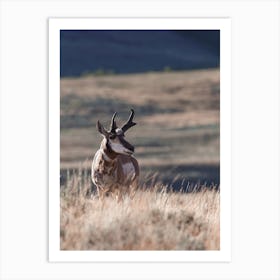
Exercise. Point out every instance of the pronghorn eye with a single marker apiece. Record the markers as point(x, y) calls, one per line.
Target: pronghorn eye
point(112, 137)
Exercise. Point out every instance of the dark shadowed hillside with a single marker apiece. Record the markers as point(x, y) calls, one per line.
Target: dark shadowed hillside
point(130, 51)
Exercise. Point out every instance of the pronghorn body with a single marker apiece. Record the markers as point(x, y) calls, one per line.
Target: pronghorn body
point(114, 169)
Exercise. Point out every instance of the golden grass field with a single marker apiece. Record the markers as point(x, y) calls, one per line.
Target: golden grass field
point(177, 146)
point(153, 220)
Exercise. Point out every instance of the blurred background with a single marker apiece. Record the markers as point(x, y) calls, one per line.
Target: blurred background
point(170, 78)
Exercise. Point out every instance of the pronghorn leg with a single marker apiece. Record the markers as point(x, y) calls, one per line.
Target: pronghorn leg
point(133, 189)
point(101, 194)
point(118, 194)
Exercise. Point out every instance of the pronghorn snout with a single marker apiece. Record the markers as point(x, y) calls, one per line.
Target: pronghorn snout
point(121, 146)
point(132, 149)
point(127, 145)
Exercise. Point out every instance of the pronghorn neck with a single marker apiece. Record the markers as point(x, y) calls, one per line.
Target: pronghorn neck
point(107, 153)
point(107, 157)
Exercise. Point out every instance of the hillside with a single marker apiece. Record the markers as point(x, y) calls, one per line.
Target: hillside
point(130, 51)
point(177, 115)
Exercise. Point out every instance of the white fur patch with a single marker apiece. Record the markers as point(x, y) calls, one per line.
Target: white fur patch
point(118, 148)
point(97, 158)
point(128, 169)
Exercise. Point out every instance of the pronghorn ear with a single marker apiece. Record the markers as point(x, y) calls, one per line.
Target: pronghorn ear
point(101, 129)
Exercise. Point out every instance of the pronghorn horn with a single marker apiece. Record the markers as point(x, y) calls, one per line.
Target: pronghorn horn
point(129, 122)
point(113, 123)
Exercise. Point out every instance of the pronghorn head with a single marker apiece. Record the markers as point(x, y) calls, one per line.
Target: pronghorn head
point(114, 139)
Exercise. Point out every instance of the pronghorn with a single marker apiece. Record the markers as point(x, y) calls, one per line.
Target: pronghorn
point(114, 169)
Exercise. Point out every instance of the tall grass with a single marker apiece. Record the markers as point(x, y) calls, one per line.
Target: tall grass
point(155, 219)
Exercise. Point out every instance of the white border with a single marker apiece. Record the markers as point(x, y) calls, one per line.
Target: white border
point(55, 25)
point(24, 139)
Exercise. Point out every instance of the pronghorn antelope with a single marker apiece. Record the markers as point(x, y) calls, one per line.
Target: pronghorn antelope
point(114, 169)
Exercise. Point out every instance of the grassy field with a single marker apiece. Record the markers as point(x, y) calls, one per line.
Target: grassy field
point(154, 220)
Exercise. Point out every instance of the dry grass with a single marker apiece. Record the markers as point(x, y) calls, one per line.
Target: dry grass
point(154, 220)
